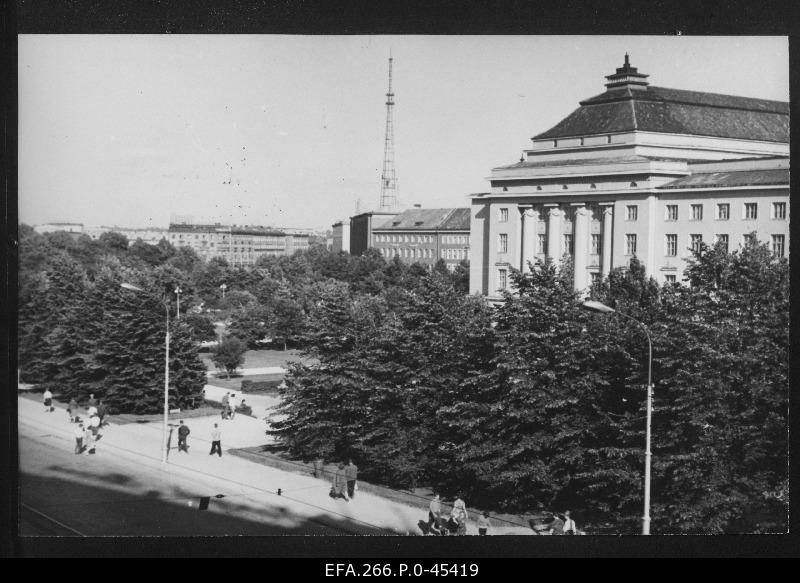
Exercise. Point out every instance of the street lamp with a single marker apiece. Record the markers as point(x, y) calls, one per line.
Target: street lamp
point(178, 292)
point(166, 373)
point(223, 287)
point(604, 309)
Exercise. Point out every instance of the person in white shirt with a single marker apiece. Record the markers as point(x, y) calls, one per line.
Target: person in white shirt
point(232, 404)
point(79, 432)
point(47, 398)
point(569, 525)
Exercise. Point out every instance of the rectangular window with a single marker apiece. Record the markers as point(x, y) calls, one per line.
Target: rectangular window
point(778, 210)
point(671, 246)
point(595, 244)
point(631, 212)
point(595, 277)
point(503, 243)
point(670, 278)
point(722, 240)
point(503, 215)
point(697, 212)
point(541, 246)
point(778, 245)
point(672, 212)
point(750, 210)
point(723, 212)
point(695, 242)
point(502, 278)
point(630, 244)
point(568, 246)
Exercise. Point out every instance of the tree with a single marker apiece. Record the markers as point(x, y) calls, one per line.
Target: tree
point(229, 354)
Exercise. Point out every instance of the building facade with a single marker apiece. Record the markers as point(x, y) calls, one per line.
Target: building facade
point(238, 245)
point(361, 226)
point(424, 236)
point(636, 171)
point(341, 237)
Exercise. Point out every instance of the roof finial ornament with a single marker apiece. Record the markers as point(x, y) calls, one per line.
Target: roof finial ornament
point(627, 64)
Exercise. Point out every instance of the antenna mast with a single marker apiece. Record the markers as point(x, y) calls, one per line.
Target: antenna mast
point(388, 178)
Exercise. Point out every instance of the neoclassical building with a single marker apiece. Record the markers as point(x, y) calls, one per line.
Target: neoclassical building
point(637, 170)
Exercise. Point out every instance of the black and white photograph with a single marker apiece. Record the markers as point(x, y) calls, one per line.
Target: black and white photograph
point(403, 286)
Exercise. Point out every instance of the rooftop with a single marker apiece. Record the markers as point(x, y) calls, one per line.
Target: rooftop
point(730, 179)
point(447, 219)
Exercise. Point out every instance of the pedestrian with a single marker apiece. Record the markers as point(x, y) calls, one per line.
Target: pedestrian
point(435, 514)
point(225, 402)
point(88, 440)
point(94, 427)
point(101, 412)
point(483, 524)
point(79, 432)
point(339, 487)
point(569, 524)
point(47, 399)
point(459, 516)
point(72, 409)
point(350, 474)
point(232, 406)
point(92, 402)
point(183, 433)
point(216, 440)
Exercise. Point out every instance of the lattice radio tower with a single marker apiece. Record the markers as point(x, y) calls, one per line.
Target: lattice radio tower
point(388, 178)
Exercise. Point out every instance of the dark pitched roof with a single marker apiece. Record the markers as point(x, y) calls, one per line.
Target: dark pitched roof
point(427, 219)
point(729, 179)
point(585, 162)
point(663, 110)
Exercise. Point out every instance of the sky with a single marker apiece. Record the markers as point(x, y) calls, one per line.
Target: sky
point(288, 130)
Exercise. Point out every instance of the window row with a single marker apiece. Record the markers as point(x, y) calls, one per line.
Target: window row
point(778, 243)
point(723, 211)
point(455, 239)
point(405, 238)
point(407, 253)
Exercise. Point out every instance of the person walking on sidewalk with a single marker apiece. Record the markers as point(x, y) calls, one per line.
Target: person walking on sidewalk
point(483, 524)
point(569, 525)
point(183, 433)
point(232, 406)
point(72, 409)
point(459, 516)
point(435, 515)
point(88, 440)
point(339, 488)
point(101, 412)
point(226, 398)
point(350, 474)
point(47, 399)
point(216, 440)
point(92, 402)
point(79, 432)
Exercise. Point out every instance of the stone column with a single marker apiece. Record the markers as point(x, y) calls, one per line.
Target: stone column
point(554, 215)
point(528, 229)
point(581, 243)
point(605, 260)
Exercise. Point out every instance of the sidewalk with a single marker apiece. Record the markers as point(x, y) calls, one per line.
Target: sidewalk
point(262, 404)
point(366, 512)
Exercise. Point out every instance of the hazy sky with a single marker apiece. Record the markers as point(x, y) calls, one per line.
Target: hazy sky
point(130, 130)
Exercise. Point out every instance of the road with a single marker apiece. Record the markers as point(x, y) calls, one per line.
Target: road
point(123, 492)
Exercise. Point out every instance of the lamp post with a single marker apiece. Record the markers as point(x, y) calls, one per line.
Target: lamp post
point(178, 292)
point(604, 309)
point(166, 374)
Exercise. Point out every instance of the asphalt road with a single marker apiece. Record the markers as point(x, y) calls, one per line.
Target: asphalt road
point(114, 494)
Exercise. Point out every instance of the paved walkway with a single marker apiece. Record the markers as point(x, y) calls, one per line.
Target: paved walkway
point(260, 482)
point(262, 405)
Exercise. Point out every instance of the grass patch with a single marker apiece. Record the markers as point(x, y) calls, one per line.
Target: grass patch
point(264, 358)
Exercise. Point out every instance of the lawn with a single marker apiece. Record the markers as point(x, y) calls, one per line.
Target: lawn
point(235, 382)
point(263, 358)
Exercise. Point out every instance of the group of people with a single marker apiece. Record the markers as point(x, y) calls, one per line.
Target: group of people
point(229, 404)
point(87, 433)
point(345, 482)
point(183, 436)
point(454, 523)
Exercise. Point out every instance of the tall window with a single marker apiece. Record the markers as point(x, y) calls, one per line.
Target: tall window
point(723, 242)
point(595, 244)
point(695, 242)
point(749, 239)
point(671, 246)
point(631, 212)
point(502, 278)
point(778, 242)
point(568, 244)
point(750, 210)
point(503, 215)
point(630, 244)
point(503, 243)
point(541, 246)
point(778, 210)
point(672, 212)
point(723, 211)
point(697, 212)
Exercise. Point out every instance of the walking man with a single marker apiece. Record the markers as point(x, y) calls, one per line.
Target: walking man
point(72, 409)
point(216, 440)
point(79, 431)
point(435, 514)
point(483, 524)
point(94, 427)
point(183, 433)
point(92, 401)
point(569, 524)
point(232, 406)
point(47, 399)
point(225, 405)
point(350, 474)
point(88, 440)
point(101, 412)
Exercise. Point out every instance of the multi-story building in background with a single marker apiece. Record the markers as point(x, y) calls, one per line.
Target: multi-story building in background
point(151, 235)
point(238, 245)
point(637, 171)
point(72, 228)
point(341, 237)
